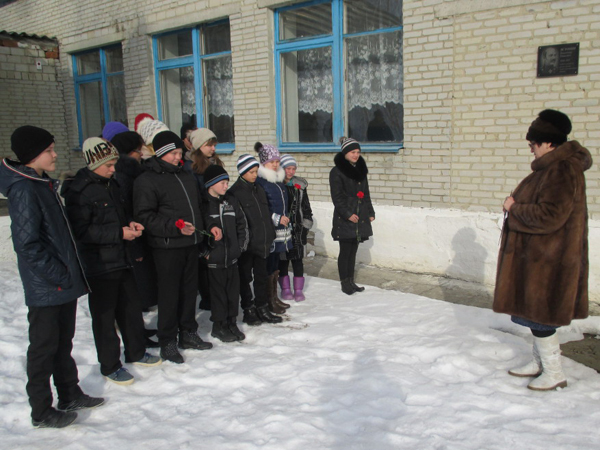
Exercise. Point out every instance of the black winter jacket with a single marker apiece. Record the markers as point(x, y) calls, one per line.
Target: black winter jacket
point(225, 212)
point(47, 257)
point(346, 182)
point(253, 200)
point(162, 195)
point(300, 216)
point(127, 170)
point(272, 182)
point(96, 210)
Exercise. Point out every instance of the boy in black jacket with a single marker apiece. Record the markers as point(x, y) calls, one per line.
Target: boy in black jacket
point(253, 200)
point(164, 197)
point(223, 211)
point(51, 274)
point(103, 226)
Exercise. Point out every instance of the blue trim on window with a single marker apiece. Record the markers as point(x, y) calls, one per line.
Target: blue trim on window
point(101, 76)
point(336, 42)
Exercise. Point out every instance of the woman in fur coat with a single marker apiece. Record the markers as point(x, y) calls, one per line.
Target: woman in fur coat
point(270, 178)
point(543, 262)
point(353, 211)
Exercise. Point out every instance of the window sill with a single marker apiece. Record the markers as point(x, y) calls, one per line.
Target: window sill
point(331, 148)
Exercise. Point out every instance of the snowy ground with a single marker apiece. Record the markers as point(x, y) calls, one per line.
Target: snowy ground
point(377, 370)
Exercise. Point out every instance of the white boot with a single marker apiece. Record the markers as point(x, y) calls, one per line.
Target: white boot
point(552, 376)
point(532, 368)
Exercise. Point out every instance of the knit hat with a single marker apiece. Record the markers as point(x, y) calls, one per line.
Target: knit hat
point(200, 137)
point(349, 144)
point(165, 142)
point(148, 128)
point(267, 152)
point(28, 142)
point(139, 118)
point(113, 128)
point(127, 142)
point(287, 161)
point(97, 151)
point(550, 126)
point(214, 174)
point(245, 163)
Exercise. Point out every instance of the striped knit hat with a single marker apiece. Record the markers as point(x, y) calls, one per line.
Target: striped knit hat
point(165, 142)
point(349, 144)
point(245, 163)
point(214, 174)
point(287, 161)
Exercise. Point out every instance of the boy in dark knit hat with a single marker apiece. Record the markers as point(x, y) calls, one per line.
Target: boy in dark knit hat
point(166, 202)
point(222, 211)
point(51, 273)
point(103, 227)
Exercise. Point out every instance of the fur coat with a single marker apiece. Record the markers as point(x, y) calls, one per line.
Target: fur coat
point(543, 261)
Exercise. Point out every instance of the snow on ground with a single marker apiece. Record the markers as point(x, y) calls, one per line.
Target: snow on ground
point(376, 370)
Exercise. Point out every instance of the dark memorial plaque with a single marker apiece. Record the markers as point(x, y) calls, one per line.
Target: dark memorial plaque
point(558, 60)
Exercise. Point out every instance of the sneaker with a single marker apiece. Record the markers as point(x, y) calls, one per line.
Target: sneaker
point(189, 339)
point(83, 402)
point(121, 376)
point(148, 360)
point(55, 419)
point(169, 352)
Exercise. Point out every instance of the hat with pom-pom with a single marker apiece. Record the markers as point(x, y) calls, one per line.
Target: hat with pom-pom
point(550, 126)
point(266, 152)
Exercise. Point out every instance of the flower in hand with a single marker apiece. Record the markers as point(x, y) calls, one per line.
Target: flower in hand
point(360, 194)
point(180, 224)
point(297, 186)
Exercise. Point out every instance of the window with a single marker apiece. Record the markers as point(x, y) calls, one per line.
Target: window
point(99, 90)
point(339, 73)
point(194, 79)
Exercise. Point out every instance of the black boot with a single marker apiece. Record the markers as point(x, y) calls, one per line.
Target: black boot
point(190, 339)
point(169, 352)
point(347, 287)
point(251, 317)
point(232, 323)
point(222, 332)
point(355, 287)
point(265, 315)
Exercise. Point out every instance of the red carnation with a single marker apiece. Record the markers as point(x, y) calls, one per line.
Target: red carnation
point(360, 194)
point(297, 186)
point(180, 224)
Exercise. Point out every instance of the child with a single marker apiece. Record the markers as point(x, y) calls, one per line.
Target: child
point(253, 200)
point(301, 218)
point(270, 178)
point(51, 274)
point(163, 196)
point(102, 226)
point(222, 211)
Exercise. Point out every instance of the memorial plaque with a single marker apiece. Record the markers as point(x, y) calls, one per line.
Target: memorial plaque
point(558, 60)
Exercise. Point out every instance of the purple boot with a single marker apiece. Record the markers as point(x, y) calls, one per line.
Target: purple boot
point(298, 286)
point(286, 292)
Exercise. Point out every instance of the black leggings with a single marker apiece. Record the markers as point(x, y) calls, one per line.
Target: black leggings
point(347, 258)
point(542, 334)
point(297, 265)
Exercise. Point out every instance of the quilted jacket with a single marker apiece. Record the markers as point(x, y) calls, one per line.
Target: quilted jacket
point(47, 258)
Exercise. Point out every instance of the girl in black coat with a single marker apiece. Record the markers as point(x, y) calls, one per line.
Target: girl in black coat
point(353, 211)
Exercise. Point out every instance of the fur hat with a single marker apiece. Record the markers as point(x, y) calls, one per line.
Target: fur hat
point(127, 142)
point(288, 161)
point(28, 142)
point(245, 163)
point(266, 153)
point(148, 128)
point(200, 137)
point(214, 174)
point(550, 126)
point(165, 142)
point(348, 144)
point(97, 151)
point(113, 128)
point(139, 118)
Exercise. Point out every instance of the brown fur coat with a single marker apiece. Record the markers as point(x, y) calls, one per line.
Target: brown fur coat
point(543, 261)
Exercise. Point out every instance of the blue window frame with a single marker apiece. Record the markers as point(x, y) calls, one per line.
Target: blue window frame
point(194, 80)
point(99, 89)
point(339, 72)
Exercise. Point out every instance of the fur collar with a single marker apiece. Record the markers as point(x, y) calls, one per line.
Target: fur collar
point(568, 150)
point(270, 175)
point(358, 172)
